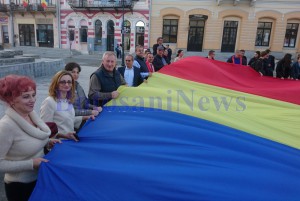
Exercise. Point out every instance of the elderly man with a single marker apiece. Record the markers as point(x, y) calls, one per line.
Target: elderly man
point(131, 73)
point(159, 61)
point(105, 81)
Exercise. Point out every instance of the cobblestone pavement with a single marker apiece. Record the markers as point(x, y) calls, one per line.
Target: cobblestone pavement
point(89, 65)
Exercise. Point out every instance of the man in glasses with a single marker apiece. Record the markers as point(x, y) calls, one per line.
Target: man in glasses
point(131, 74)
point(105, 81)
point(139, 61)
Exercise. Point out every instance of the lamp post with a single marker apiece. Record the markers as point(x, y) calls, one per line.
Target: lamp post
point(122, 32)
point(12, 6)
point(122, 28)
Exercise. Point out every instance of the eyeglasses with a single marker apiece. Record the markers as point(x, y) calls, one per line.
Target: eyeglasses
point(128, 60)
point(65, 82)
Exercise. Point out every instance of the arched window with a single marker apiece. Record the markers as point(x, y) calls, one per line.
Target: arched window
point(71, 27)
point(98, 32)
point(140, 30)
point(110, 35)
point(127, 28)
point(83, 31)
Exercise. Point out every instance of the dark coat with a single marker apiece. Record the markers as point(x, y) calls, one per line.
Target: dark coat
point(157, 63)
point(260, 66)
point(108, 82)
point(295, 72)
point(271, 62)
point(283, 69)
point(143, 65)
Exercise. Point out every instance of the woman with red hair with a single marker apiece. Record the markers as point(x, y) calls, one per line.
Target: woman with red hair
point(23, 136)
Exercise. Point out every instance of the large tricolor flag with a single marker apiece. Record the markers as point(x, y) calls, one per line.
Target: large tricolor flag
point(197, 130)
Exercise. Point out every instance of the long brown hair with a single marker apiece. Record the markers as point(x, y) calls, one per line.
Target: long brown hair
point(53, 88)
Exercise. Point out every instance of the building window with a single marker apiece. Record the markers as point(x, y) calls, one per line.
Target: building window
point(5, 36)
point(83, 34)
point(98, 32)
point(291, 35)
point(71, 33)
point(170, 28)
point(263, 33)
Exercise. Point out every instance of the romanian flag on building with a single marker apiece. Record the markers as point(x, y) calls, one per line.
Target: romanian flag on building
point(197, 130)
point(44, 3)
point(25, 3)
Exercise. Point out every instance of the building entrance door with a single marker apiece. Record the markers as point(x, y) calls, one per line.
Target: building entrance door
point(45, 35)
point(196, 33)
point(110, 35)
point(229, 36)
point(26, 35)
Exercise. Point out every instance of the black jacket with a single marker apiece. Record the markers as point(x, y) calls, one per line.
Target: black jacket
point(283, 69)
point(157, 63)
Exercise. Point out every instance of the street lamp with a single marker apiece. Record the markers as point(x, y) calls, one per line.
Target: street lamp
point(122, 29)
point(122, 32)
point(12, 7)
point(123, 26)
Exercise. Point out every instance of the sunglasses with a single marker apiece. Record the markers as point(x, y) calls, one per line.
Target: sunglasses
point(65, 82)
point(128, 60)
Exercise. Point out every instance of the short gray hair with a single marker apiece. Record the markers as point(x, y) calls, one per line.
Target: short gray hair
point(109, 53)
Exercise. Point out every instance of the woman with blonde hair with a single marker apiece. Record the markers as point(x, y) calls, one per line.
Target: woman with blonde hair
point(23, 136)
point(58, 107)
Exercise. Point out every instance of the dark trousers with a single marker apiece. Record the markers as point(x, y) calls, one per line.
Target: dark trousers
point(17, 191)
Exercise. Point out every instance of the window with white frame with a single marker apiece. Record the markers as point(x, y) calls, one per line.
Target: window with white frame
point(291, 35)
point(263, 34)
point(170, 30)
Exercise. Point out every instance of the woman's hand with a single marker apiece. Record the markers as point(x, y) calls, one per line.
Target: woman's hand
point(71, 136)
point(52, 142)
point(37, 162)
point(84, 118)
point(99, 109)
point(96, 111)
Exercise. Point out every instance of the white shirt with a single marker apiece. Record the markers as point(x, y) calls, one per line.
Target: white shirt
point(60, 112)
point(128, 76)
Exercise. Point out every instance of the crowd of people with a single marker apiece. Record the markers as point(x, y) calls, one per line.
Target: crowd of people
point(26, 136)
point(264, 63)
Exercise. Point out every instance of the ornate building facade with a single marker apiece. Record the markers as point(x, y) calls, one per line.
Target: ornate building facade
point(93, 25)
point(28, 23)
point(227, 25)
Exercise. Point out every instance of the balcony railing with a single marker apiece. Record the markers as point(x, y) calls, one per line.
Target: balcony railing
point(102, 4)
point(31, 7)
